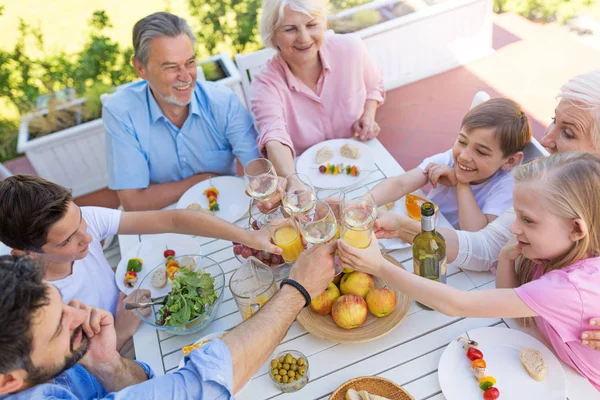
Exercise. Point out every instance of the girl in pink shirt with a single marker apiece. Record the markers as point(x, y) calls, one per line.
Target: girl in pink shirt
point(550, 270)
point(317, 87)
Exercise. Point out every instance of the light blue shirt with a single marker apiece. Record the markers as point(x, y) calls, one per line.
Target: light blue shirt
point(207, 375)
point(143, 147)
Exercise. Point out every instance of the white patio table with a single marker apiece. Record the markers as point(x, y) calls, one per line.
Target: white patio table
point(408, 356)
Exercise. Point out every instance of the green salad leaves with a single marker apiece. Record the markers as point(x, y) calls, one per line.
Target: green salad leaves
point(191, 295)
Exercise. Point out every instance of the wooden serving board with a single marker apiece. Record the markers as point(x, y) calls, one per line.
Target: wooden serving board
point(323, 326)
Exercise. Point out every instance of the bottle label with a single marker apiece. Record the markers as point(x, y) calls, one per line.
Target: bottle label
point(430, 269)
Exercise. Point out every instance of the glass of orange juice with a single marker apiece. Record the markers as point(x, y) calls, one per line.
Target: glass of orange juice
point(357, 226)
point(284, 233)
point(252, 285)
point(360, 196)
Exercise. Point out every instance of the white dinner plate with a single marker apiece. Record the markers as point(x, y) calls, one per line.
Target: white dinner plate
point(151, 254)
point(500, 348)
point(232, 199)
point(306, 164)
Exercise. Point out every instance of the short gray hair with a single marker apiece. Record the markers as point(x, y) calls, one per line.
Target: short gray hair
point(583, 91)
point(272, 14)
point(157, 25)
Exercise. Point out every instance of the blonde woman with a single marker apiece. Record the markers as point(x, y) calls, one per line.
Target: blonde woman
point(317, 87)
point(550, 270)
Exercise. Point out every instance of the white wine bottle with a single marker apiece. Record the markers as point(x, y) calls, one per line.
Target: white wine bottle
point(429, 249)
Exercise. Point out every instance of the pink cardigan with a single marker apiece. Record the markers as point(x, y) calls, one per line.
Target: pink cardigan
point(287, 111)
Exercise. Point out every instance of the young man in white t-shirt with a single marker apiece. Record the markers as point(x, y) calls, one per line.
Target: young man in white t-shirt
point(40, 219)
point(471, 182)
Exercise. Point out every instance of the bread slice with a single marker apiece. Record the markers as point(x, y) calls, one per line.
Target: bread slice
point(159, 278)
point(534, 364)
point(324, 154)
point(375, 397)
point(352, 394)
point(350, 151)
point(198, 207)
point(364, 395)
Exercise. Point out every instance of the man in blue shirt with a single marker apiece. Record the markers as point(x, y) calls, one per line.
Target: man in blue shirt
point(168, 132)
point(43, 339)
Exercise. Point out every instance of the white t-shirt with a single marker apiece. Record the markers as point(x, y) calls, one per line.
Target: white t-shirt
point(493, 196)
point(93, 280)
point(479, 251)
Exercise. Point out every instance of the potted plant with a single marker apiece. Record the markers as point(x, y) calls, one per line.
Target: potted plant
point(65, 141)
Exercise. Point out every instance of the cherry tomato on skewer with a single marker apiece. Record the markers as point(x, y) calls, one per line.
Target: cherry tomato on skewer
point(491, 394)
point(474, 354)
point(169, 253)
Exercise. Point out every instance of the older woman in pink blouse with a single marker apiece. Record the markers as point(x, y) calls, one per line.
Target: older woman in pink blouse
point(317, 87)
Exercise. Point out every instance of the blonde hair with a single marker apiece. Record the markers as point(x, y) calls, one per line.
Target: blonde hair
point(272, 14)
point(507, 118)
point(569, 188)
point(583, 92)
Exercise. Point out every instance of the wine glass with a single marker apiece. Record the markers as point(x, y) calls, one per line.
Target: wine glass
point(360, 197)
point(320, 226)
point(299, 194)
point(261, 179)
point(335, 199)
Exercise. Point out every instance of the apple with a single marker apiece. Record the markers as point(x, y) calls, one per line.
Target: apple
point(381, 301)
point(349, 311)
point(357, 283)
point(322, 304)
point(347, 270)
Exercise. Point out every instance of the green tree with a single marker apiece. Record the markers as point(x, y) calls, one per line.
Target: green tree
point(545, 10)
point(226, 24)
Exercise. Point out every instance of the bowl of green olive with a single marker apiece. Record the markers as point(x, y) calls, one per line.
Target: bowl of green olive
point(289, 371)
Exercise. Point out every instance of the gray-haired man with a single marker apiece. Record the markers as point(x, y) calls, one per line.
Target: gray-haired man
point(169, 132)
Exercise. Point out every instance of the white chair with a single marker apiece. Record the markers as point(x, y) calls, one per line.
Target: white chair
point(479, 98)
point(533, 149)
point(249, 65)
point(4, 173)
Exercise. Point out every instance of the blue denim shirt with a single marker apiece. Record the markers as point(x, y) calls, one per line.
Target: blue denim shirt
point(143, 147)
point(207, 375)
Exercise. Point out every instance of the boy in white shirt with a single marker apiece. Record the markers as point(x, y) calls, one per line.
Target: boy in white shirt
point(471, 182)
point(40, 219)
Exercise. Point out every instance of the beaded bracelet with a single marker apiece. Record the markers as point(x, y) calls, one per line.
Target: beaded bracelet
point(298, 286)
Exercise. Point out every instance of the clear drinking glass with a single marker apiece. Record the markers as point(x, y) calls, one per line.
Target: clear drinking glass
point(357, 226)
point(252, 285)
point(261, 179)
point(319, 225)
point(284, 233)
point(298, 194)
point(360, 197)
point(335, 199)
